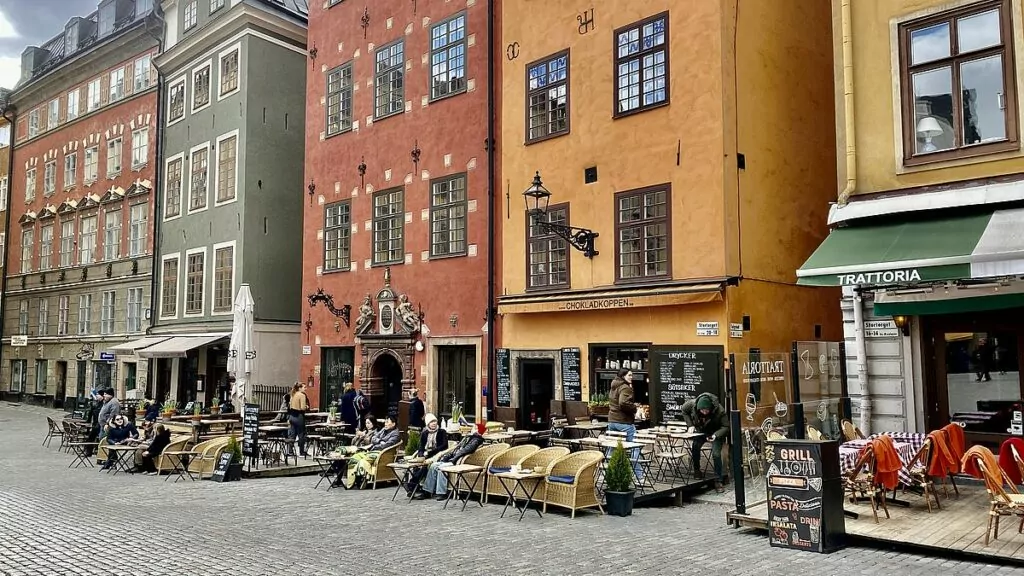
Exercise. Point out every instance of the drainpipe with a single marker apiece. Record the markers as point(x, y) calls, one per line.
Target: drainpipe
point(862, 361)
point(491, 310)
point(154, 311)
point(11, 115)
point(848, 108)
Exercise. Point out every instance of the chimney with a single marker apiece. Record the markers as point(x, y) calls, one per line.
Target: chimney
point(31, 59)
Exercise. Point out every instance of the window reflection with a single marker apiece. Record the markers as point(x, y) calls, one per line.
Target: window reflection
point(982, 378)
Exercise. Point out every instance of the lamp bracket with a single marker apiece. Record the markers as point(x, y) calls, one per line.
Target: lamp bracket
point(581, 239)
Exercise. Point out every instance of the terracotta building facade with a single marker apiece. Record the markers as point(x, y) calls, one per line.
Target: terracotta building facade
point(395, 245)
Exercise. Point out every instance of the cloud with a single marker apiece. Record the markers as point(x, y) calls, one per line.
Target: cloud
point(31, 23)
point(10, 71)
point(6, 27)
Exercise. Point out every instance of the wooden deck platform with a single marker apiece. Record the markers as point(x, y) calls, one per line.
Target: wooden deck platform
point(957, 529)
point(663, 491)
point(302, 468)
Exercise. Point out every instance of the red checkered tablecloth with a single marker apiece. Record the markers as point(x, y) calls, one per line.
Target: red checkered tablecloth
point(849, 453)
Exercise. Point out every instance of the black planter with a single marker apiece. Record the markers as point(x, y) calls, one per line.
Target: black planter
point(619, 503)
point(234, 473)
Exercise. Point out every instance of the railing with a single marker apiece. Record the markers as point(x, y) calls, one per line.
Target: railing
point(267, 396)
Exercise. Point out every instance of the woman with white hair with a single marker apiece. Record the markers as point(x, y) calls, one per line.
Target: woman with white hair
point(433, 440)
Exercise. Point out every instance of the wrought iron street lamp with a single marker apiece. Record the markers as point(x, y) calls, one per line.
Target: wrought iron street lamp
point(537, 198)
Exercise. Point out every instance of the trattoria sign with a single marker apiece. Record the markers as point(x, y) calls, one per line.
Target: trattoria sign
point(881, 277)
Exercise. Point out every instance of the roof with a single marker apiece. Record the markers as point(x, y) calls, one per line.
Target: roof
point(297, 8)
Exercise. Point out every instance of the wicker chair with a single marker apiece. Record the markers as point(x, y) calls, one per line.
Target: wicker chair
point(571, 482)
point(178, 443)
point(208, 451)
point(482, 457)
point(540, 461)
point(503, 463)
point(53, 431)
point(380, 472)
point(1001, 502)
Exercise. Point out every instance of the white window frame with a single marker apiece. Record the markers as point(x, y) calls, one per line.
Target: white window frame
point(50, 178)
point(208, 65)
point(23, 320)
point(94, 95)
point(84, 314)
point(188, 198)
point(216, 5)
point(133, 304)
point(138, 230)
point(177, 287)
point(91, 170)
point(117, 143)
point(4, 189)
point(3, 245)
point(181, 186)
point(171, 87)
point(216, 191)
point(70, 252)
point(43, 317)
point(202, 284)
point(70, 170)
point(53, 114)
point(142, 70)
point(213, 278)
point(140, 150)
point(46, 247)
point(63, 312)
point(71, 108)
point(112, 234)
point(30, 185)
point(108, 311)
point(83, 248)
point(220, 71)
point(33, 123)
point(28, 240)
point(190, 9)
point(117, 80)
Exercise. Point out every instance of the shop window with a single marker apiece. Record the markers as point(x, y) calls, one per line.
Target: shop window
point(456, 378)
point(607, 360)
point(982, 379)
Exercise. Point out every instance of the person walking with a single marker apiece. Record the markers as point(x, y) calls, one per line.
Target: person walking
point(622, 413)
point(349, 414)
point(298, 406)
point(417, 411)
point(111, 408)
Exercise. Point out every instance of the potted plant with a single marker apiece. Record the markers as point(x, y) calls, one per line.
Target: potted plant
point(332, 415)
point(619, 483)
point(168, 409)
point(214, 409)
point(413, 443)
point(235, 468)
point(140, 408)
point(197, 413)
point(598, 404)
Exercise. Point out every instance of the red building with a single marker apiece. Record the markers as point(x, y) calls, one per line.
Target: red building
point(396, 255)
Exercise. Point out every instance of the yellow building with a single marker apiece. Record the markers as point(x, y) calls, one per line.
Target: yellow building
point(697, 141)
point(926, 239)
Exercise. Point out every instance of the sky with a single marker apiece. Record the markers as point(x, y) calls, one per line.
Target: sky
point(30, 23)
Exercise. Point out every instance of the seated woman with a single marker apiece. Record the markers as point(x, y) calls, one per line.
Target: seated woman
point(161, 438)
point(360, 465)
point(366, 436)
point(119, 432)
point(433, 440)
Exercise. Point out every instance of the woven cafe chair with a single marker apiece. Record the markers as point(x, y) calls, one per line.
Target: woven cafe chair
point(540, 461)
point(503, 462)
point(860, 483)
point(53, 431)
point(482, 458)
point(1001, 502)
point(571, 482)
point(918, 468)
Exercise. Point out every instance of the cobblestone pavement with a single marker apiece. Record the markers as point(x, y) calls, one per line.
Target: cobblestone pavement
point(59, 521)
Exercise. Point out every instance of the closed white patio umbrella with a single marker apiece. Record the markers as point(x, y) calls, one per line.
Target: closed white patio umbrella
point(242, 349)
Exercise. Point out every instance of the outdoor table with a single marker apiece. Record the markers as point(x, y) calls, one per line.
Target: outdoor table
point(117, 453)
point(849, 453)
point(179, 460)
point(517, 478)
point(327, 471)
point(459, 472)
point(589, 430)
point(497, 437)
point(403, 470)
point(82, 453)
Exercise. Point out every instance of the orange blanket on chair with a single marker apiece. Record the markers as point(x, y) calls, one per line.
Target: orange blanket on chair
point(957, 444)
point(887, 462)
point(1006, 461)
point(943, 461)
point(970, 465)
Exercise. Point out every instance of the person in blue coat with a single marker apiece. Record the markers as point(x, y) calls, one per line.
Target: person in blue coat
point(347, 407)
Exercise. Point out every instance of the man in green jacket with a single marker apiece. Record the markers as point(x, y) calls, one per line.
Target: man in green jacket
point(706, 414)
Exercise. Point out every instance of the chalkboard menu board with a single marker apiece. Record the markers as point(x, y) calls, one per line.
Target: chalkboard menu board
point(572, 387)
point(503, 377)
point(679, 373)
point(251, 430)
point(221, 470)
point(805, 496)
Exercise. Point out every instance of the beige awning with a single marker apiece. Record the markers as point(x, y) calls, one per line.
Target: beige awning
point(610, 299)
point(178, 346)
point(129, 348)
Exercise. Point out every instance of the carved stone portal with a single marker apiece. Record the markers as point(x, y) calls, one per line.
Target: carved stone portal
point(394, 315)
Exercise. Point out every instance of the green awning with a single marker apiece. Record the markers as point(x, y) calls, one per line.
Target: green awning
point(949, 306)
point(898, 253)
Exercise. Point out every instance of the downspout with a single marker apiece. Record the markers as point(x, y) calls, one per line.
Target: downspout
point(157, 181)
point(491, 309)
point(11, 116)
point(848, 104)
point(862, 361)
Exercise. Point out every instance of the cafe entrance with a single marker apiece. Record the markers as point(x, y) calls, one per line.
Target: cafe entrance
point(536, 391)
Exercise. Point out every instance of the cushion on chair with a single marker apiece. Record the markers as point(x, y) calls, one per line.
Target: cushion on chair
point(562, 479)
point(499, 469)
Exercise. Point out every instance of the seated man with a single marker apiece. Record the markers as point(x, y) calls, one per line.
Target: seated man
point(436, 483)
point(707, 416)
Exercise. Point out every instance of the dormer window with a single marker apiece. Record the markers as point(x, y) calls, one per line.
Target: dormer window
point(71, 37)
point(106, 18)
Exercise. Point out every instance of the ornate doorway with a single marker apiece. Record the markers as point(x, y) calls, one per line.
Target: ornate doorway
point(387, 375)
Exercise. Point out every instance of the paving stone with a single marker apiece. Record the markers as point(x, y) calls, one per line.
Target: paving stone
point(57, 521)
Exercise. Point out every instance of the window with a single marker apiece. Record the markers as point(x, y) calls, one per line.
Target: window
point(4, 188)
point(53, 114)
point(142, 72)
point(112, 235)
point(456, 377)
point(27, 239)
point(216, 5)
point(642, 228)
point(388, 223)
point(548, 255)
point(641, 65)
point(116, 85)
point(138, 229)
point(134, 310)
point(448, 216)
point(190, 15)
point(41, 375)
point(93, 95)
point(106, 19)
point(50, 178)
point(140, 148)
point(71, 39)
point(223, 278)
point(23, 317)
point(448, 57)
point(339, 100)
point(176, 106)
point(45, 247)
point(19, 368)
point(92, 161)
point(33, 123)
point(5, 135)
point(107, 313)
point(169, 288)
point(957, 79)
point(172, 192)
point(87, 240)
point(84, 313)
point(70, 170)
point(44, 317)
point(227, 164)
point(72, 105)
point(113, 158)
point(389, 80)
point(63, 305)
point(547, 97)
point(200, 88)
point(30, 185)
point(194, 280)
point(3, 245)
point(67, 243)
point(143, 6)
point(338, 236)
point(198, 179)
point(228, 73)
